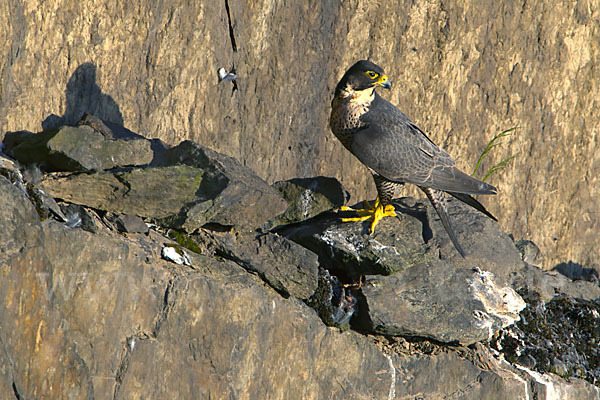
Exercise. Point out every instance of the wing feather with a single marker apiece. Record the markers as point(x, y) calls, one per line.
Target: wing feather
point(393, 146)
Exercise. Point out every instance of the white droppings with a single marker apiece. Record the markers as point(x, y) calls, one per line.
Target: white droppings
point(375, 245)
point(482, 320)
point(544, 380)
point(502, 305)
point(392, 393)
point(176, 255)
point(131, 343)
point(329, 237)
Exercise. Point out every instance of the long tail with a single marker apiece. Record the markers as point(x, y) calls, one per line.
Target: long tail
point(465, 198)
point(438, 200)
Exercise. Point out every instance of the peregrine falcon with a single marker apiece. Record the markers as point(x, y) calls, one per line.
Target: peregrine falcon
point(395, 150)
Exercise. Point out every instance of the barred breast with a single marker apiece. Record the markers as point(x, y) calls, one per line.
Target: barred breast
point(345, 119)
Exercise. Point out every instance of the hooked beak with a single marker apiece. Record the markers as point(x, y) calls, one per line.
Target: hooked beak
point(384, 82)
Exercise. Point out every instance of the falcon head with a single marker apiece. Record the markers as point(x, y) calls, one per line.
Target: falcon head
point(362, 76)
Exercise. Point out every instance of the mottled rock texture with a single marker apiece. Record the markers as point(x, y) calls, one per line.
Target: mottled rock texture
point(97, 304)
point(405, 288)
point(464, 71)
point(188, 187)
point(76, 149)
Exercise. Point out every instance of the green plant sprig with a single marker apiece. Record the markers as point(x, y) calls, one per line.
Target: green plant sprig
point(493, 143)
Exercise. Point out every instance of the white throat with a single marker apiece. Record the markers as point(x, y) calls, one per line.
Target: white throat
point(359, 96)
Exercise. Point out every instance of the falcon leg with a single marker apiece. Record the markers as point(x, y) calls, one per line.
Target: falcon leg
point(381, 208)
point(375, 212)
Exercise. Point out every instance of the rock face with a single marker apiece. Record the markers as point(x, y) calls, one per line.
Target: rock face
point(108, 294)
point(288, 268)
point(76, 149)
point(571, 325)
point(181, 193)
point(308, 197)
point(427, 301)
point(458, 70)
point(407, 289)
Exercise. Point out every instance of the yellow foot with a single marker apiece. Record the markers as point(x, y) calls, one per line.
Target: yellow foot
point(375, 212)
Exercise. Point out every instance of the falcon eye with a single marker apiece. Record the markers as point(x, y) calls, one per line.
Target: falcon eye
point(372, 74)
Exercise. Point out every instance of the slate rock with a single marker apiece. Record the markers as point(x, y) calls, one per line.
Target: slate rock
point(150, 192)
point(307, 197)
point(485, 244)
point(75, 149)
point(19, 222)
point(131, 223)
point(189, 187)
point(549, 284)
point(426, 371)
point(240, 197)
point(79, 217)
point(286, 266)
point(408, 290)
point(347, 249)
point(227, 335)
point(103, 316)
point(530, 252)
point(437, 300)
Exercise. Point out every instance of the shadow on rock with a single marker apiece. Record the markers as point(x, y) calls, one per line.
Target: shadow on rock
point(84, 96)
point(577, 272)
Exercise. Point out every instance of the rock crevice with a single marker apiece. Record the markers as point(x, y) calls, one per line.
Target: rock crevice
point(264, 293)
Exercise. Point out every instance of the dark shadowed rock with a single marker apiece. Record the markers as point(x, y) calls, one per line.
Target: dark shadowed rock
point(307, 197)
point(286, 266)
point(347, 249)
point(335, 302)
point(75, 149)
point(575, 271)
point(571, 326)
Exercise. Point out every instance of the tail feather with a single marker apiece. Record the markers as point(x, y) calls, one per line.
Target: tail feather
point(437, 199)
point(465, 198)
point(451, 179)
